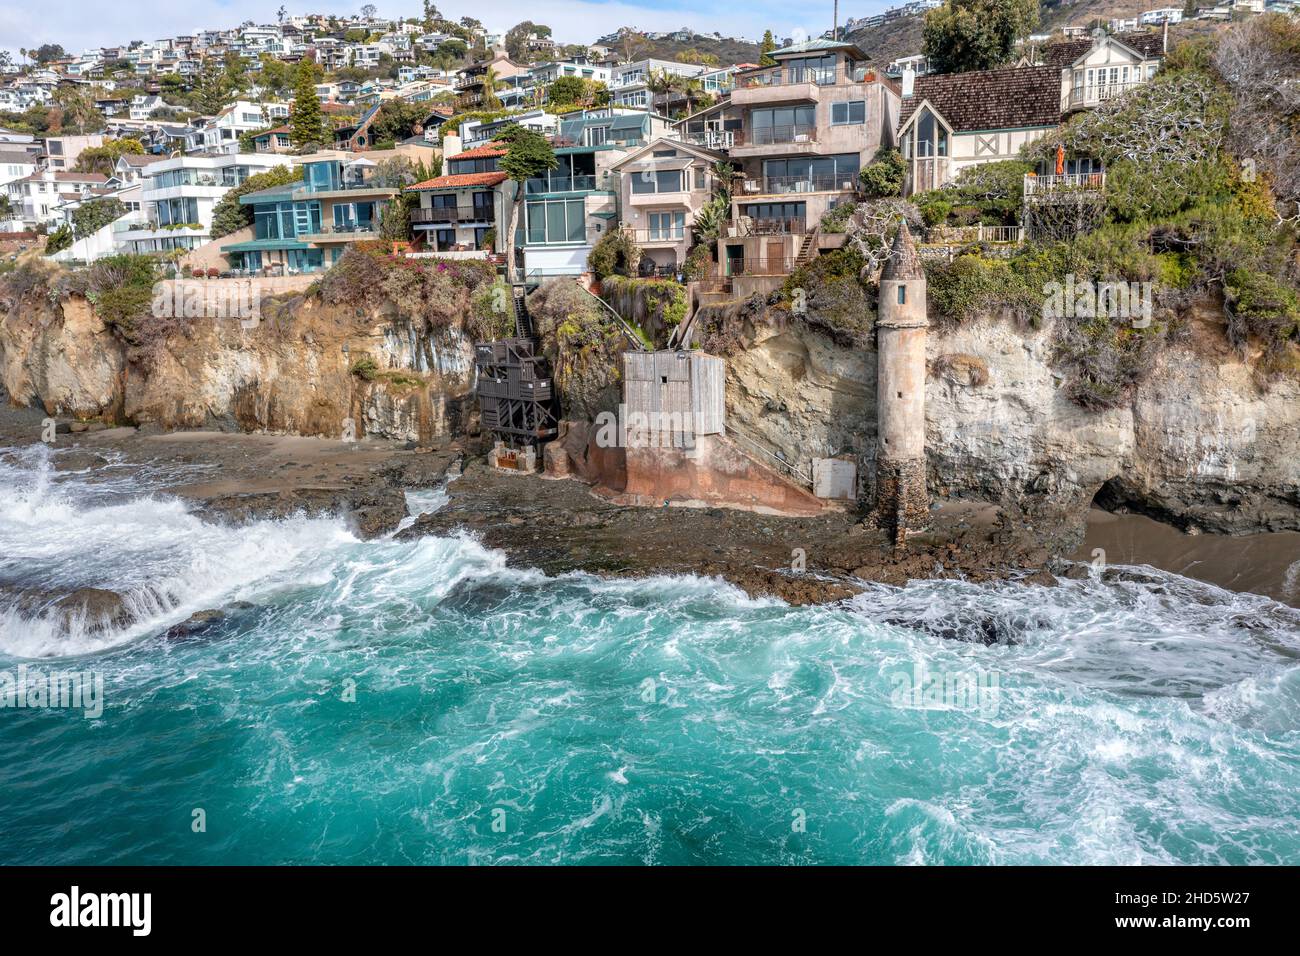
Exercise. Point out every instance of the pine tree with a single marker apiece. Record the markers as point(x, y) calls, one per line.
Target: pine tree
point(306, 121)
point(765, 50)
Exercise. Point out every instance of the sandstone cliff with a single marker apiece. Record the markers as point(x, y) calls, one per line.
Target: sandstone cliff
point(1200, 444)
point(292, 372)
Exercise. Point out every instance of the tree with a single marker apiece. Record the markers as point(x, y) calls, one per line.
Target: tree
point(490, 99)
point(47, 52)
point(211, 89)
point(369, 11)
point(765, 50)
point(228, 215)
point(77, 112)
point(885, 175)
point(94, 214)
point(567, 89)
point(517, 38)
point(306, 120)
point(103, 159)
point(966, 35)
point(58, 240)
point(528, 154)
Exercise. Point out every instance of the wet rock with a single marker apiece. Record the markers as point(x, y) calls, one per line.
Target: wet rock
point(195, 624)
point(986, 629)
point(102, 610)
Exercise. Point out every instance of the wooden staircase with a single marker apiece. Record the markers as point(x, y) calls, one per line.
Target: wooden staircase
point(806, 248)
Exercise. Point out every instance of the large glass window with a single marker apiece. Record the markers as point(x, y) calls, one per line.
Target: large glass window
point(806, 173)
point(812, 69)
point(931, 137)
point(667, 225)
point(783, 124)
point(657, 181)
point(556, 221)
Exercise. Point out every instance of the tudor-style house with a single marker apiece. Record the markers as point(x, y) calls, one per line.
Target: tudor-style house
point(662, 186)
point(953, 120)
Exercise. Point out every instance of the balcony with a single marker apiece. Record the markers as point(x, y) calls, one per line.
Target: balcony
point(561, 184)
point(749, 226)
point(760, 266)
point(763, 139)
point(446, 215)
point(784, 85)
point(721, 139)
point(1082, 97)
point(784, 185)
point(657, 237)
point(1066, 184)
point(348, 232)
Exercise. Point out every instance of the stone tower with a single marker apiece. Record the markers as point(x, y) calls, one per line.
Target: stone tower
point(902, 503)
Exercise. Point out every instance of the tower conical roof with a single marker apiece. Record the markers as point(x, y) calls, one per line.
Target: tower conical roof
point(904, 263)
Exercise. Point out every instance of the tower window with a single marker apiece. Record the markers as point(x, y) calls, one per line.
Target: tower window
point(902, 295)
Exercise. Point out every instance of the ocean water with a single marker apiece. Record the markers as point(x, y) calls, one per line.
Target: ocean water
point(419, 702)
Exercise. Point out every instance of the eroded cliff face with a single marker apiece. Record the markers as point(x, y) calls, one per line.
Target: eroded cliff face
point(1200, 444)
point(290, 372)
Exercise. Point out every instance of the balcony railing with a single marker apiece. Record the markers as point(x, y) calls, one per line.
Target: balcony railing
point(776, 135)
point(1062, 183)
point(447, 214)
point(346, 230)
point(562, 184)
point(958, 234)
point(761, 266)
point(712, 138)
point(657, 235)
point(780, 185)
point(785, 76)
point(1100, 92)
point(747, 226)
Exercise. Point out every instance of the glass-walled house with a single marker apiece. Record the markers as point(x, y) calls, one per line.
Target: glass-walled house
point(567, 210)
point(307, 225)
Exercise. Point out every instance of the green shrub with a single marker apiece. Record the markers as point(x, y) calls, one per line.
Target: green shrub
point(615, 253)
point(884, 176)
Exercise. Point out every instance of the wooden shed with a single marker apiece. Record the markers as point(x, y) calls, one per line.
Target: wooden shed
point(691, 385)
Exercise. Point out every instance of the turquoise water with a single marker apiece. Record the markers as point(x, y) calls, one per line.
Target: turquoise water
point(393, 702)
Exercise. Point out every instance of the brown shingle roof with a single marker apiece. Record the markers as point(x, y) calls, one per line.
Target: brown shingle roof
point(1014, 98)
point(1061, 55)
point(463, 179)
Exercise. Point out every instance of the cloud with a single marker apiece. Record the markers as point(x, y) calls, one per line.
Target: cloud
point(79, 24)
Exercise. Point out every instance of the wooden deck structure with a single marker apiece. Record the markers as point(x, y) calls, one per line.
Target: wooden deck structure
point(517, 401)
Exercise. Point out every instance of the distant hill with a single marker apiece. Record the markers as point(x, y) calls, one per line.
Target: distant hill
point(726, 51)
point(902, 37)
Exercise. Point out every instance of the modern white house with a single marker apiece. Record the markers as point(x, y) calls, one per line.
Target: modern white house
point(178, 196)
point(221, 133)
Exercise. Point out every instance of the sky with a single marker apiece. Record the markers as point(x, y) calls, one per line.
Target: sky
point(79, 24)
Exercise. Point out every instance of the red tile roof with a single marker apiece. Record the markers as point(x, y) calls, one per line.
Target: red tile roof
point(464, 179)
point(479, 152)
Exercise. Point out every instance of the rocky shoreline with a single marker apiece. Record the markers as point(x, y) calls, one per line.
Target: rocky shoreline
point(557, 526)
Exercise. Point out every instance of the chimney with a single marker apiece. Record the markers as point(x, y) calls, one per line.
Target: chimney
point(451, 146)
point(909, 80)
point(1164, 36)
